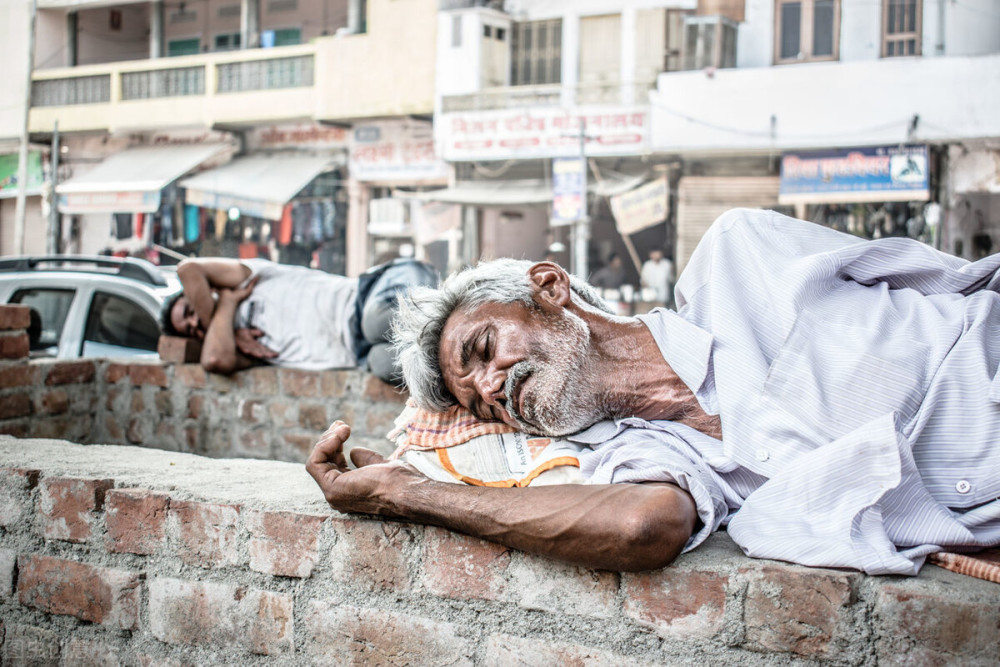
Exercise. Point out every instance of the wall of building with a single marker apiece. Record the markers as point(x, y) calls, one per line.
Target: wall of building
point(14, 21)
point(35, 227)
point(127, 555)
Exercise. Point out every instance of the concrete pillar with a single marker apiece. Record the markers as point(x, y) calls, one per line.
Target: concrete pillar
point(156, 32)
point(72, 20)
point(627, 70)
point(249, 24)
point(357, 227)
point(356, 16)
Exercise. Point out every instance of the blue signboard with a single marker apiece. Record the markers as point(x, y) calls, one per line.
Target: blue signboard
point(569, 197)
point(870, 174)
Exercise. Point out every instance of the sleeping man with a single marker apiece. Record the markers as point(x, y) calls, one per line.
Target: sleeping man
point(835, 402)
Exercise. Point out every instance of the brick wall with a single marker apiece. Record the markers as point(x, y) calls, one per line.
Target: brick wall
point(264, 412)
point(125, 555)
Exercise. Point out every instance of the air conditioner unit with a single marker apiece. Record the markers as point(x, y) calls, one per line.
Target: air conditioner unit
point(709, 41)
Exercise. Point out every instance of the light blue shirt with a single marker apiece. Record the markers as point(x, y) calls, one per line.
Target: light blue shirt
point(857, 386)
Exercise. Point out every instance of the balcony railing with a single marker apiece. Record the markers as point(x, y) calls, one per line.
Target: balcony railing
point(520, 97)
point(65, 92)
point(163, 83)
point(249, 75)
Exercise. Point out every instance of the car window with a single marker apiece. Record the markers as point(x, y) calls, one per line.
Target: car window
point(114, 320)
point(49, 308)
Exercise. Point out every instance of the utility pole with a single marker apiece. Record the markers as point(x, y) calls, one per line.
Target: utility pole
point(581, 230)
point(52, 246)
point(22, 161)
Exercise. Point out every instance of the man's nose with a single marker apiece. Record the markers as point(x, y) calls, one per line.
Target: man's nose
point(491, 385)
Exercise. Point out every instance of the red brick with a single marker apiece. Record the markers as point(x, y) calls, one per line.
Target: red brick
point(139, 430)
point(799, 610)
point(196, 405)
point(677, 603)
point(28, 645)
point(207, 533)
point(260, 381)
point(179, 349)
point(381, 392)
point(67, 506)
point(54, 402)
point(372, 553)
point(534, 582)
point(222, 384)
point(70, 372)
point(253, 411)
point(150, 373)
point(136, 520)
point(299, 383)
point(113, 428)
point(20, 375)
point(192, 438)
point(17, 429)
point(509, 650)
point(380, 419)
point(302, 445)
point(164, 404)
point(919, 629)
point(225, 615)
point(284, 544)
point(7, 561)
point(341, 635)
point(281, 413)
point(461, 567)
point(15, 405)
point(313, 417)
point(14, 345)
point(14, 316)
point(333, 384)
point(191, 376)
point(138, 403)
point(15, 495)
point(95, 594)
point(251, 443)
point(115, 372)
point(66, 427)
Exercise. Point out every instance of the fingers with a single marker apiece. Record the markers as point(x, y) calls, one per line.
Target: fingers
point(328, 454)
point(362, 457)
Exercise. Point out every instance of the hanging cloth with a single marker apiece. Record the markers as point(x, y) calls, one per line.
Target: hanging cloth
point(221, 218)
point(122, 226)
point(140, 224)
point(285, 226)
point(192, 229)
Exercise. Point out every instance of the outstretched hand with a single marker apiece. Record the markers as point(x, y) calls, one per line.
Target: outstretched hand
point(368, 489)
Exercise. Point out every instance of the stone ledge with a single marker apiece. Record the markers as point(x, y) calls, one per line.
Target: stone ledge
point(180, 551)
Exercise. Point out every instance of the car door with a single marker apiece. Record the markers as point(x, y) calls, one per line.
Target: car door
point(118, 325)
point(51, 311)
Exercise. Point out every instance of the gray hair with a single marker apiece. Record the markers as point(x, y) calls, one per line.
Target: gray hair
point(424, 311)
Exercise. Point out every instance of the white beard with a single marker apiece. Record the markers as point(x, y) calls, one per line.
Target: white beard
point(561, 398)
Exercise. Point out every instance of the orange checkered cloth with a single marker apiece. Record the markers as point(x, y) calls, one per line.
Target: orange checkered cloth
point(982, 565)
point(423, 430)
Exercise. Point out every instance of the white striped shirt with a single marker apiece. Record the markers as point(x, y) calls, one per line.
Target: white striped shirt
point(857, 386)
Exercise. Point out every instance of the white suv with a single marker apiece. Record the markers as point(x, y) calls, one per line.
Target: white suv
point(87, 306)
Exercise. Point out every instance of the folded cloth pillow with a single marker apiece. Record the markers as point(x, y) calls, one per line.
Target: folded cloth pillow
point(456, 446)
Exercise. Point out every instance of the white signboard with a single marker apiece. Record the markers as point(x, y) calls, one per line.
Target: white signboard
point(640, 208)
point(297, 135)
point(543, 133)
point(395, 151)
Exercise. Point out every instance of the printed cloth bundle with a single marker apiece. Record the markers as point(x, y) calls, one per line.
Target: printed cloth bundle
point(457, 446)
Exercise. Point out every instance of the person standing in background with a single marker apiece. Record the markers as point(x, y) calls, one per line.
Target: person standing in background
point(658, 274)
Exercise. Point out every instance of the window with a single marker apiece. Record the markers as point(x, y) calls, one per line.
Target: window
point(709, 41)
point(184, 47)
point(456, 31)
point(901, 28)
point(536, 52)
point(487, 31)
point(119, 323)
point(227, 41)
point(806, 30)
point(49, 308)
point(501, 34)
point(287, 37)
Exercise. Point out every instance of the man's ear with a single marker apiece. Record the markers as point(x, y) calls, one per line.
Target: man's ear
point(550, 285)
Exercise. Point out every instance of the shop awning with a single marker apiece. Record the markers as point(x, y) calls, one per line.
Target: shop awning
point(516, 192)
point(258, 185)
point(130, 181)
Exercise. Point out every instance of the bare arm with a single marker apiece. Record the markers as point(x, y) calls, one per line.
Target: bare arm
point(625, 527)
point(202, 275)
point(219, 354)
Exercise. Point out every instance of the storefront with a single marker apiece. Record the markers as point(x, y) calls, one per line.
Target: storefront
point(972, 228)
point(872, 192)
point(129, 202)
point(287, 206)
point(35, 224)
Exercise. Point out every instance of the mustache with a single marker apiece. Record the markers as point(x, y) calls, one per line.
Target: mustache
point(518, 372)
